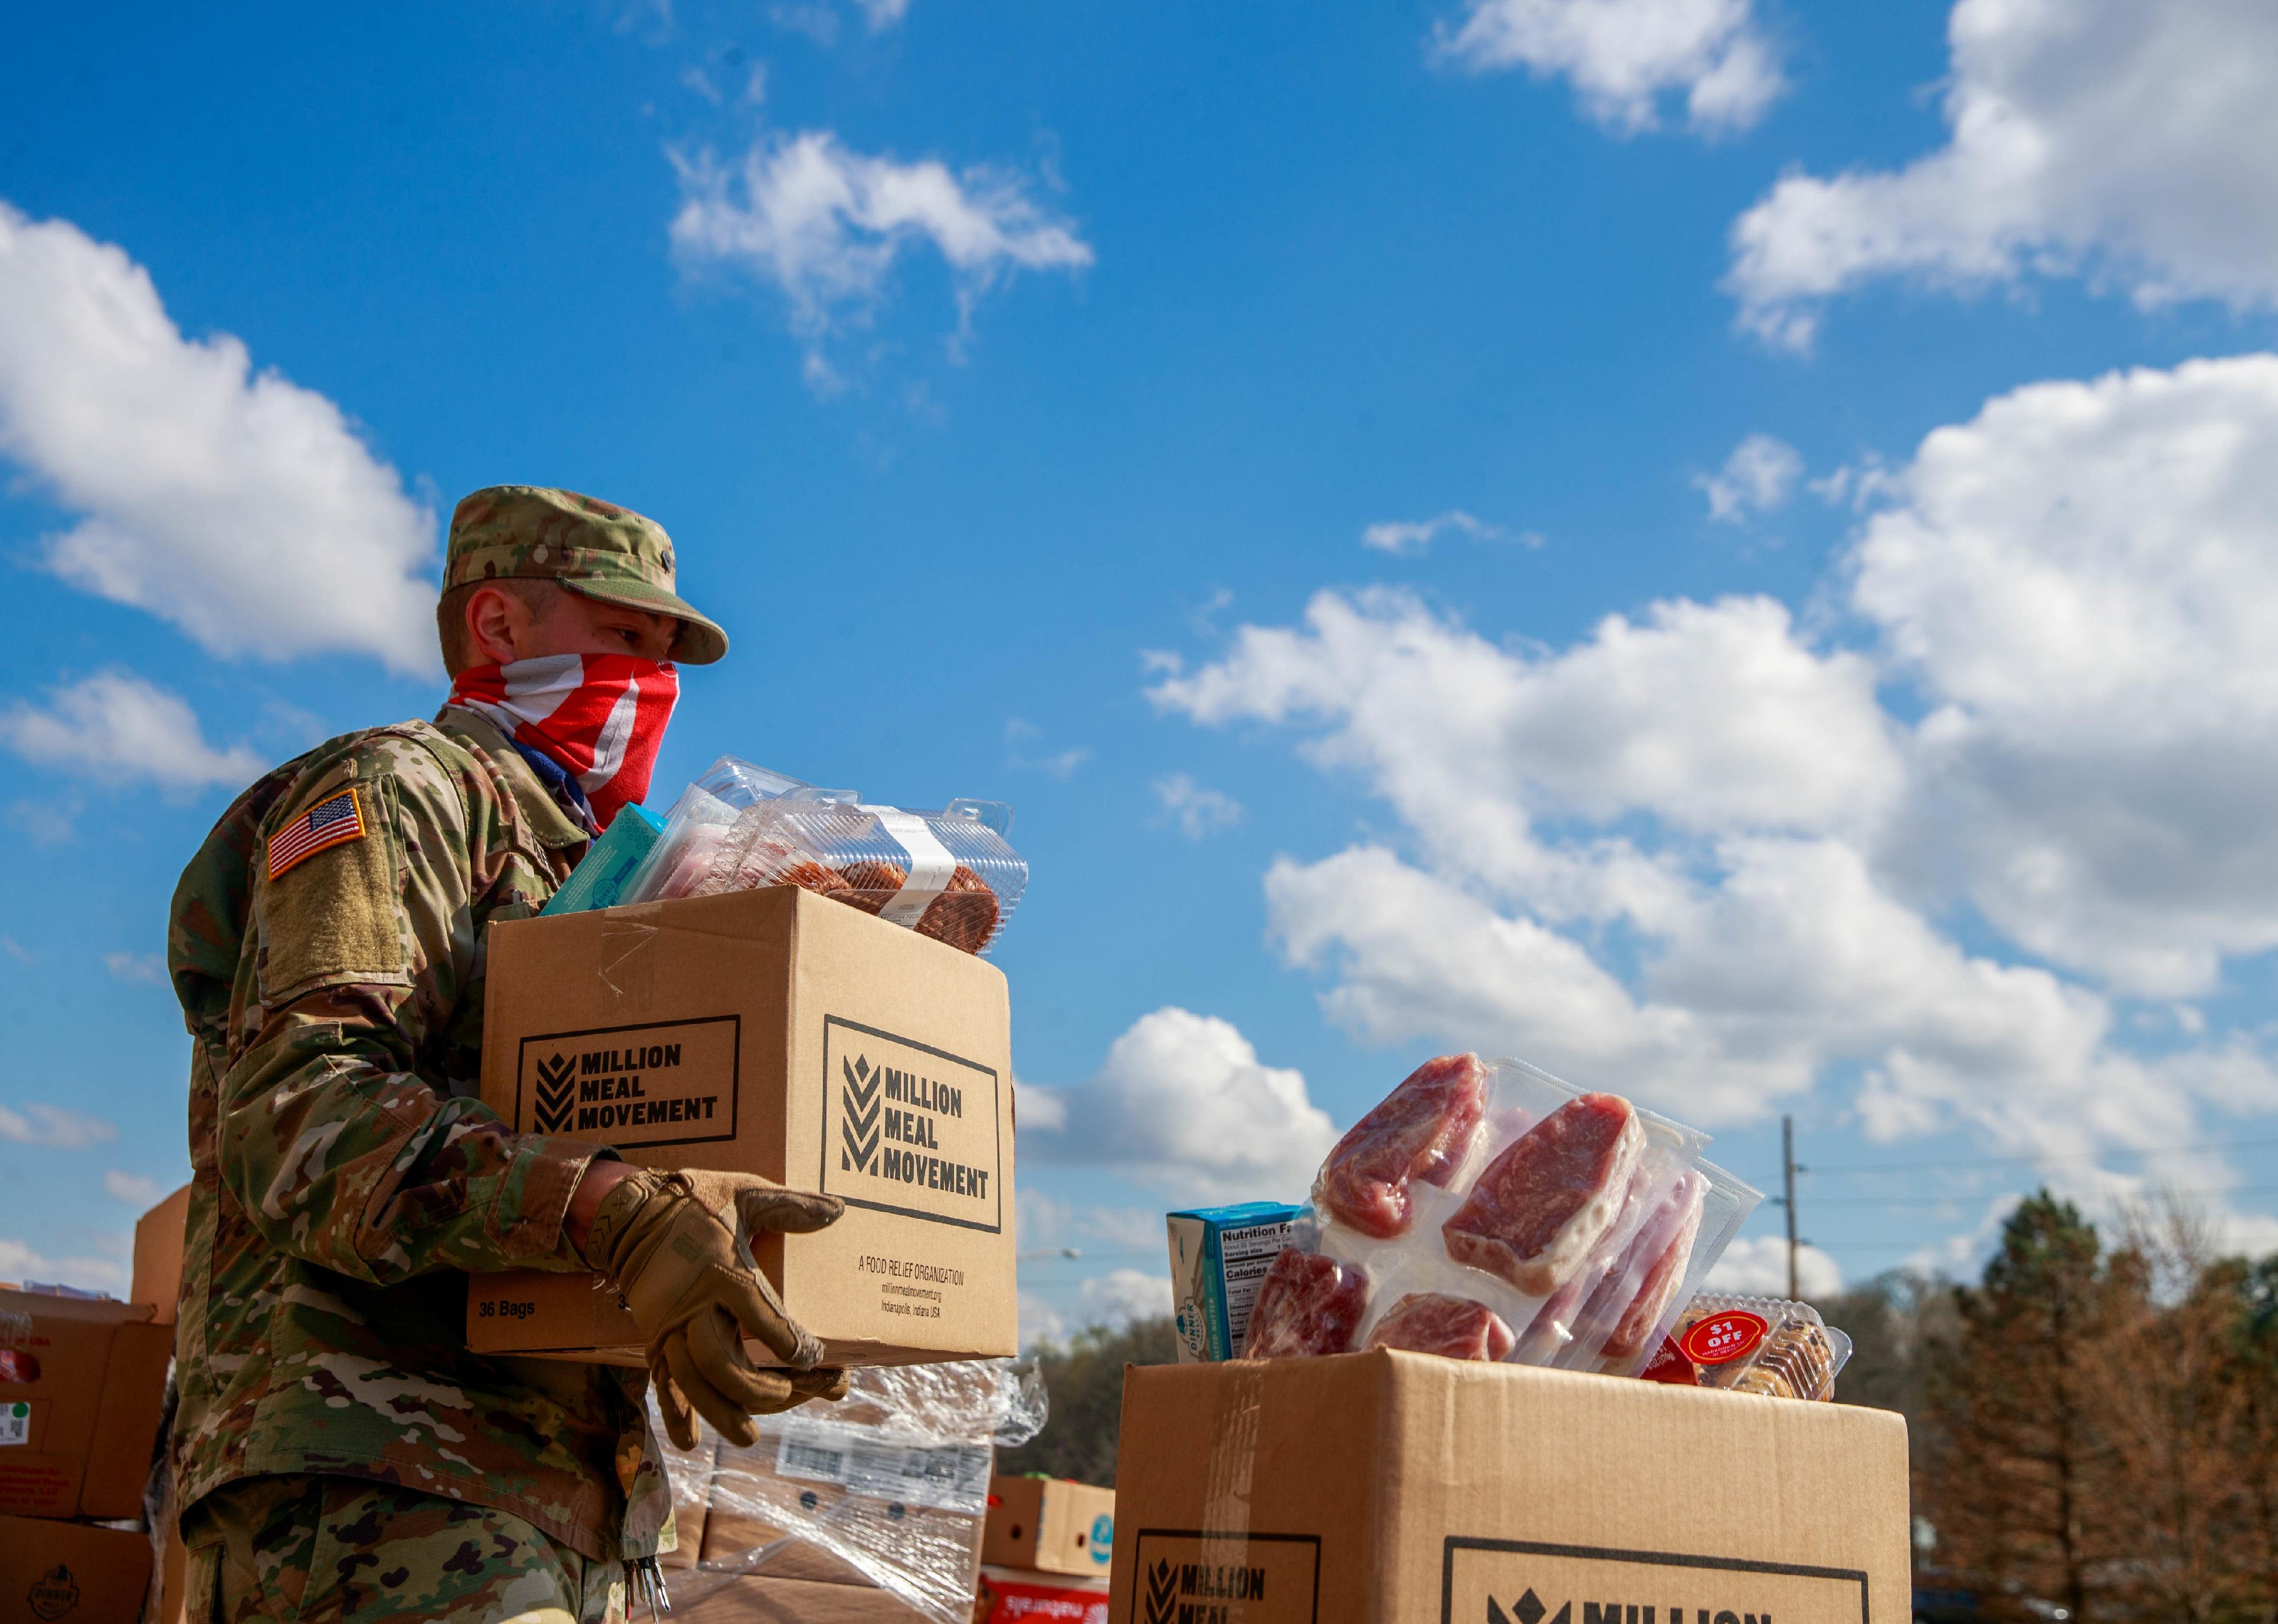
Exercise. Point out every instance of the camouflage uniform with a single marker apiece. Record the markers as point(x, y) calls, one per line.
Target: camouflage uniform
point(350, 1552)
point(345, 1177)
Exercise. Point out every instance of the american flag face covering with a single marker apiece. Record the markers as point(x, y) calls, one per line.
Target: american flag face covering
point(601, 716)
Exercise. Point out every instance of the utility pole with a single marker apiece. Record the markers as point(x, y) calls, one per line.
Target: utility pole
point(1788, 1171)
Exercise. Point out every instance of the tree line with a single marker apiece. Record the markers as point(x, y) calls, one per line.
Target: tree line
point(2094, 1424)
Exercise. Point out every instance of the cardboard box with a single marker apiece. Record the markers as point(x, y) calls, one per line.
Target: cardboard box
point(1049, 1523)
point(908, 1503)
point(81, 1385)
point(160, 1234)
point(796, 1601)
point(1218, 1259)
point(775, 1032)
point(1384, 1485)
point(70, 1573)
point(1022, 1595)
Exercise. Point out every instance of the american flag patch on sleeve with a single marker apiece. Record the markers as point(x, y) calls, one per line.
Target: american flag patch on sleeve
point(332, 821)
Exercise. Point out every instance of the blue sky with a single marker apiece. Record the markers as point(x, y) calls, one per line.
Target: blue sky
point(1024, 384)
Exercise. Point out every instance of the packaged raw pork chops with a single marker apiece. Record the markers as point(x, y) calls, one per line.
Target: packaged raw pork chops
point(948, 874)
point(1491, 1211)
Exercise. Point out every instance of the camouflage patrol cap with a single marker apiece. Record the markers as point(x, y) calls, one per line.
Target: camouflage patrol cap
point(596, 548)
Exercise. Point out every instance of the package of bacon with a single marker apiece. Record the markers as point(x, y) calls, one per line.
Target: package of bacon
point(949, 874)
point(1491, 1211)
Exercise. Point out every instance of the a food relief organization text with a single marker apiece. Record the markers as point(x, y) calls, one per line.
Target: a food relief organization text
point(1519, 1582)
point(666, 1083)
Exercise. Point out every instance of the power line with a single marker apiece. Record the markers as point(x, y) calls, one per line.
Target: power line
point(2068, 1156)
point(1945, 1200)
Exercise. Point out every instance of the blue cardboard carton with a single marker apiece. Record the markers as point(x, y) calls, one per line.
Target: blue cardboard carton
point(1218, 1256)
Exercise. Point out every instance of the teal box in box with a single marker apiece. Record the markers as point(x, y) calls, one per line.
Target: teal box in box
point(599, 880)
point(1219, 1257)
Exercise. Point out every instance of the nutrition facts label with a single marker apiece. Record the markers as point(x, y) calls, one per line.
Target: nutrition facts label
point(948, 1476)
point(1247, 1253)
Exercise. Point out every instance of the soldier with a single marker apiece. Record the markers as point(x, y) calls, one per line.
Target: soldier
point(339, 1453)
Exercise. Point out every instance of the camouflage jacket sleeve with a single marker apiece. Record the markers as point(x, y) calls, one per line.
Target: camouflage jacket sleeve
point(348, 1130)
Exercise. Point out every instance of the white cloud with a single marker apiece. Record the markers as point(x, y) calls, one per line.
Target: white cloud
point(115, 726)
point(1197, 809)
point(1183, 1104)
point(816, 21)
point(238, 506)
point(826, 225)
point(1047, 1222)
point(20, 1263)
point(54, 1126)
point(1061, 764)
point(1040, 1322)
point(882, 14)
point(1757, 477)
point(2081, 582)
point(1716, 716)
point(46, 822)
point(2033, 178)
point(135, 1189)
point(1757, 1267)
point(1415, 534)
point(1711, 858)
point(1122, 1295)
point(1623, 56)
point(146, 967)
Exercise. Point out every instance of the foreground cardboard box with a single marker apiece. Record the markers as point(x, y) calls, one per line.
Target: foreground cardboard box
point(81, 1386)
point(1020, 1594)
point(1049, 1523)
point(160, 1235)
point(773, 1032)
point(70, 1573)
point(1384, 1486)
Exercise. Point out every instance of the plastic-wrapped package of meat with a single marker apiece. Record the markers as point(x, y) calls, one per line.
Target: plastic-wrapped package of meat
point(1492, 1211)
point(1307, 1305)
point(1542, 1207)
point(948, 874)
point(1420, 1130)
point(1453, 1327)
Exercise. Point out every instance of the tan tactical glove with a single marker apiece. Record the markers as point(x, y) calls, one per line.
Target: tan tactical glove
point(678, 1247)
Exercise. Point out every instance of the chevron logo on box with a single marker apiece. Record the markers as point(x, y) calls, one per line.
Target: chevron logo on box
point(909, 1128)
point(658, 1083)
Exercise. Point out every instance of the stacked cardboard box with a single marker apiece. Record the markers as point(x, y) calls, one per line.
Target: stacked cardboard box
point(82, 1385)
point(1023, 1596)
point(1047, 1552)
point(1389, 1485)
point(819, 1514)
point(775, 1033)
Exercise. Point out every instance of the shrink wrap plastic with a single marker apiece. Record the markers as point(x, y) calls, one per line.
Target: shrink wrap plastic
point(892, 1482)
point(1606, 1309)
point(949, 874)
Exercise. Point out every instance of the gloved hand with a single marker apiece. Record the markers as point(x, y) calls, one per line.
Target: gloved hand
point(677, 1246)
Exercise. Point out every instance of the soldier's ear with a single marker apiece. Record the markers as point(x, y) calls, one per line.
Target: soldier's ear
point(497, 624)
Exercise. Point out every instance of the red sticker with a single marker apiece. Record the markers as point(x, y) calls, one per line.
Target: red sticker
point(1723, 1338)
